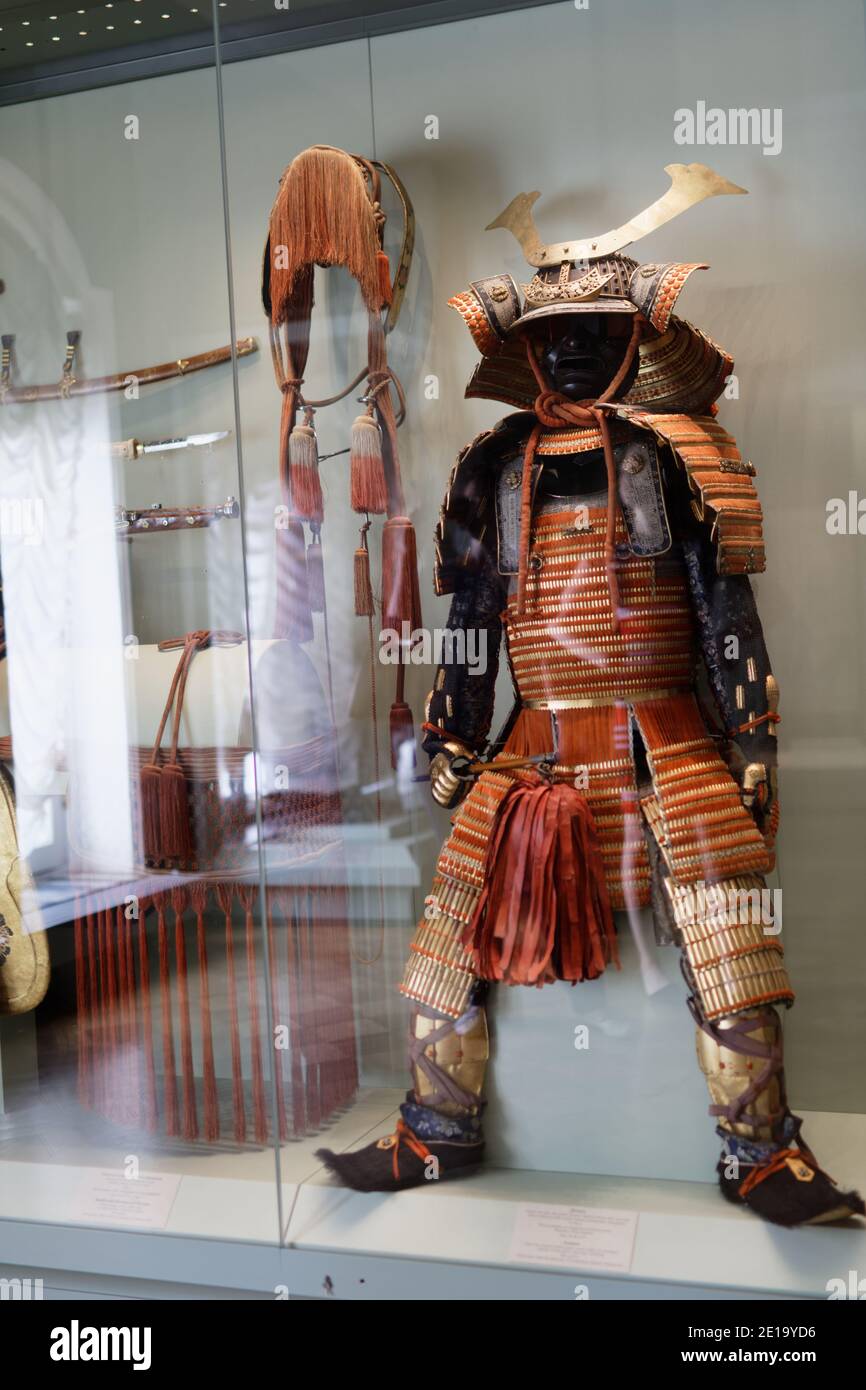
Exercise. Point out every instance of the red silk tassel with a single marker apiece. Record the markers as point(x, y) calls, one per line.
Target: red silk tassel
point(368, 491)
point(175, 829)
point(294, 618)
point(304, 481)
point(364, 605)
point(544, 912)
point(149, 782)
point(401, 600)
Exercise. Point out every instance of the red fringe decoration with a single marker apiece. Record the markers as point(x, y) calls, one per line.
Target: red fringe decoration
point(179, 899)
point(151, 1109)
point(116, 1055)
point(93, 1021)
point(224, 897)
point(172, 1114)
point(128, 1031)
point(532, 734)
point(260, 1113)
point(273, 994)
point(81, 1009)
point(322, 215)
point(587, 735)
point(116, 1012)
point(299, 1113)
point(401, 600)
point(198, 897)
point(544, 912)
point(310, 1025)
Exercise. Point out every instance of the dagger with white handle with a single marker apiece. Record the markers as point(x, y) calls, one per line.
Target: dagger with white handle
point(136, 448)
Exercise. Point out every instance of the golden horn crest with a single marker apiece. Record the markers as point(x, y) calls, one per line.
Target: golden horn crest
point(690, 184)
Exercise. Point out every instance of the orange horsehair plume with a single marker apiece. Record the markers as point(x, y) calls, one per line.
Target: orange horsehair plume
point(323, 215)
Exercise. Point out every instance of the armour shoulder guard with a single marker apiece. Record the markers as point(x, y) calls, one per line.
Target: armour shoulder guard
point(721, 483)
point(466, 531)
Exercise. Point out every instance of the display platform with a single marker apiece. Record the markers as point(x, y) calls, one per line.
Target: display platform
point(687, 1244)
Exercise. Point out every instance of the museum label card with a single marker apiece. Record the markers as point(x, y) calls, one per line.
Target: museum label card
point(579, 1238)
point(107, 1197)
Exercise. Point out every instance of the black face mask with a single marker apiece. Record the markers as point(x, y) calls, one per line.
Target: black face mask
point(583, 362)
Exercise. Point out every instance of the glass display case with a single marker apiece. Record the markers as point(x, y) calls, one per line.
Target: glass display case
point(254, 615)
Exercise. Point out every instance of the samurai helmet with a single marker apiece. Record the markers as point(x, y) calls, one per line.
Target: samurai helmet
point(680, 368)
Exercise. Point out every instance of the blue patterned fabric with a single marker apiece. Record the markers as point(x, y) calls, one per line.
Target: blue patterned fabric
point(755, 1150)
point(429, 1124)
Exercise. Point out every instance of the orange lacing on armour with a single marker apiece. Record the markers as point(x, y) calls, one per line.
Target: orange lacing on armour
point(775, 1165)
point(555, 411)
point(403, 1135)
point(752, 724)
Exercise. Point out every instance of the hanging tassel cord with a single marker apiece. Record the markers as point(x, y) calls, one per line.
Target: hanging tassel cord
point(555, 411)
point(377, 778)
point(380, 377)
point(165, 814)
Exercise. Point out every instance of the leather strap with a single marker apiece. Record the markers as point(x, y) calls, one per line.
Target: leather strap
point(191, 643)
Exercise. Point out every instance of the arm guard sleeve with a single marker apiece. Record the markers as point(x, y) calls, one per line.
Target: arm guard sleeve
point(462, 699)
point(733, 648)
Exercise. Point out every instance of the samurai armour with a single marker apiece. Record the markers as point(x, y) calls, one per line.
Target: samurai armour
point(613, 707)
